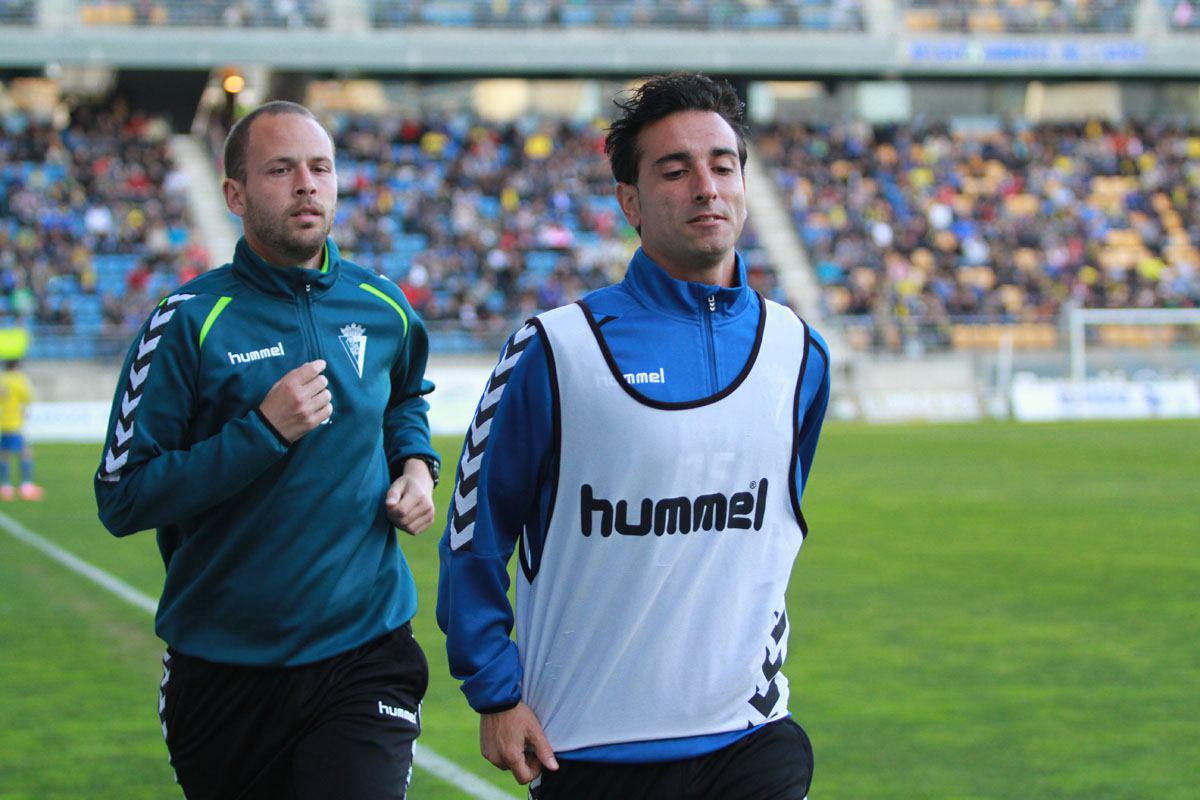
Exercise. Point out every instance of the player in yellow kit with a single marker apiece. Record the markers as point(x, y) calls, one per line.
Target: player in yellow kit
point(16, 393)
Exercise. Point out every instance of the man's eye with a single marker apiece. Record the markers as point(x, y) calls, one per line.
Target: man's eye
point(673, 174)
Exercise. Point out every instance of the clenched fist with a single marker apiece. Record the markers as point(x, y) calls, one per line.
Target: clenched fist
point(299, 401)
point(409, 500)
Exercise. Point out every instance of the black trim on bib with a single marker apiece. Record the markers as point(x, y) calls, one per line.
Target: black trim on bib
point(530, 565)
point(821, 350)
point(808, 342)
point(680, 406)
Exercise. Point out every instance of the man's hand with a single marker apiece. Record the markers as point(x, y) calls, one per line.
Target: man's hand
point(409, 500)
point(514, 740)
point(299, 401)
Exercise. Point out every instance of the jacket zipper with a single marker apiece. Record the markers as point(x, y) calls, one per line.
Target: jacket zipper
point(311, 331)
point(710, 344)
point(310, 324)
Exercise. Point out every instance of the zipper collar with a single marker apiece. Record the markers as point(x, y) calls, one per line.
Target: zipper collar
point(654, 288)
point(289, 282)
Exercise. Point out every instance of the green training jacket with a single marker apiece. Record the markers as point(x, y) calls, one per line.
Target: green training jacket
point(275, 555)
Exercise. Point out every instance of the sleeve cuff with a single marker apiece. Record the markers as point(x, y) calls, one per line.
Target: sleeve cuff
point(496, 687)
point(396, 464)
point(274, 431)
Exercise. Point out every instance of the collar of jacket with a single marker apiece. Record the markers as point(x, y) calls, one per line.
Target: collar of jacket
point(289, 282)
point(651, 284)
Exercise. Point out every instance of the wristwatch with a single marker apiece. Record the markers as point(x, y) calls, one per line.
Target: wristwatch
point(435, 466)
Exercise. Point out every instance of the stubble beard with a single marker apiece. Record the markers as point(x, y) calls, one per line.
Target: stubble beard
point(274, 233)
point(710, 250)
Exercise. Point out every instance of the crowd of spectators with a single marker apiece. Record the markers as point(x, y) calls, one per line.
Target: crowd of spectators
point(17, 12)
point(94, 222)
point(845, 15)
point(207, 13)
point(484, 224)
point(480, 224)
point(925, 225)
point(1182, 15)
point(1021, 16)
point(959, 16)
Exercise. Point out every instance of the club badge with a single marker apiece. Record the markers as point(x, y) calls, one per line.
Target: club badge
point(354, 340)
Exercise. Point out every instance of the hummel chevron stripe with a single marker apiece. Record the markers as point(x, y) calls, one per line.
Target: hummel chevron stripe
point(491, 398)
point(147, 347)
point(478, 433)
point(466, 484)
point(136, 376)
point(122, 434)
point(118, 453)
point(764, 702)
point(780, 628)
point(129, 403)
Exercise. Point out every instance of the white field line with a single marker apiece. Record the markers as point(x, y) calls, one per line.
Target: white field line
point(450, 772)
point(424, 757)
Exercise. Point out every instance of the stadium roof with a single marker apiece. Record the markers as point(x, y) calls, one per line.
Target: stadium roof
point(594, 52)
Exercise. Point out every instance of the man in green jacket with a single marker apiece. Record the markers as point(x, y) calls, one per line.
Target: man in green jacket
point(270, 422)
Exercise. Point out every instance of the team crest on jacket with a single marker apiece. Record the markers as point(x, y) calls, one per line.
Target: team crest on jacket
point(354, 340)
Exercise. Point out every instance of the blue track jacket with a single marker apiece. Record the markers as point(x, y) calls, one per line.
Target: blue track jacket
point(275, 554)
point(700, 336)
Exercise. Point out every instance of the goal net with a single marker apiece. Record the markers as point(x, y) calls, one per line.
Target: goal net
point(1134, 342)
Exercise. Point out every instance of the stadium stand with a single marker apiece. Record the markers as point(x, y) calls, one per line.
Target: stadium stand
point(486, 224)
point(207, 13)
point(955, 238)
point(1020, 16)
point(1182, 15)
point(923, 229)
point(94, 226)
point(834, 15)
point(18, 12)
point(760, 272)
point(480, 224)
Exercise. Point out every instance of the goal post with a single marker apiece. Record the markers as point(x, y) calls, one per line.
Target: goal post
point(1079, 319)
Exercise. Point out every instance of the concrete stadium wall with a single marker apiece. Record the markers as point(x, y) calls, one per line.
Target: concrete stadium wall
point(74, 397)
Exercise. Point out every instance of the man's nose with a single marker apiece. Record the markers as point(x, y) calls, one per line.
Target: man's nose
point(705, 186)
point(305, 184)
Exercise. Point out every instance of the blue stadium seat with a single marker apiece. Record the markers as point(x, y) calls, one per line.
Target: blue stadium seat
point(395, 264)
point(111, 273)
point(488, 206)
point(410, 243)
point(458, 14)
point(762, 18)
point(541, 262)
point(578, 15)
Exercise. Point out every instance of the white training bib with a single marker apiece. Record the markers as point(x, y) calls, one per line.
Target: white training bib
point(656, 607)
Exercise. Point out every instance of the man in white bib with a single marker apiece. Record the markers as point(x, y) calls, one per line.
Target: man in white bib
point(646, 449)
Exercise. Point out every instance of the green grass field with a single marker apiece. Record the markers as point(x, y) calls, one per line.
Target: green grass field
point(988, 611)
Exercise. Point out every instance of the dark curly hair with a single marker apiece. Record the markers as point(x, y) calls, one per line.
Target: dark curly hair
point(659, 97)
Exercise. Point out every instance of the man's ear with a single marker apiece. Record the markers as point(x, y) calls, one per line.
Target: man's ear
point(235, 196)
point(631, 203)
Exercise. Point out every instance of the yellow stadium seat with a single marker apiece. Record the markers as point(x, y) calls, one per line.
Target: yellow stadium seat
point(922, 19)
point(1140, 336)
